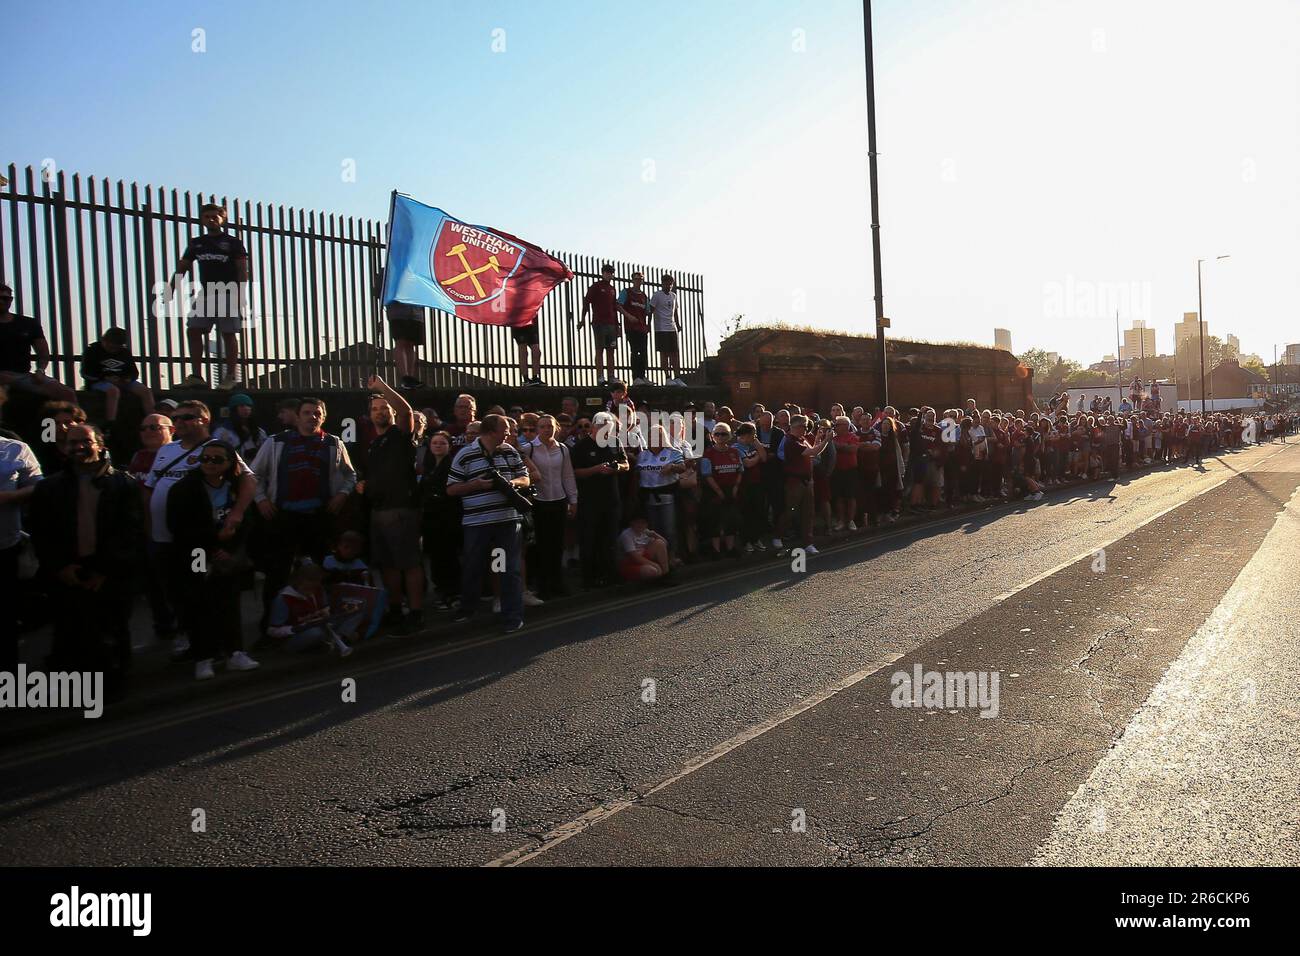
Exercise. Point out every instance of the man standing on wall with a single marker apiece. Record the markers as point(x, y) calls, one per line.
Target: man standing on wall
point(601, 303)
point(635, 306)
point(668, 325)
point(223, 280)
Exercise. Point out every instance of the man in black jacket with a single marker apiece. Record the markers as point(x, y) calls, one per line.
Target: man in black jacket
point(87, 525)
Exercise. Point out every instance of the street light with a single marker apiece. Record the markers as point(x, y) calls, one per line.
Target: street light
point(882, 366)
point(1200, 326)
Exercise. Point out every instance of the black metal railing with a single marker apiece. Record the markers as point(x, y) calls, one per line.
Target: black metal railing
point(84, 255)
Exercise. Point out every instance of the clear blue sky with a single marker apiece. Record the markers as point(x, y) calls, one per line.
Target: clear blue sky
point(1029, 146)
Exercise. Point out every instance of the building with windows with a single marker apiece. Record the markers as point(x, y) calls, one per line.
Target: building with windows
point(1139, 343)
point(1002, 339)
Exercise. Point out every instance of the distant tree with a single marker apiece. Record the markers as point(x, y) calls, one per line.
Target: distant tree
point(1037, 360)
point(1083, 378)
point(1258, 367)
point(733, 325)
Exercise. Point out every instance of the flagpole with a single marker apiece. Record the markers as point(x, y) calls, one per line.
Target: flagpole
point(383, 282)
point(882, 367)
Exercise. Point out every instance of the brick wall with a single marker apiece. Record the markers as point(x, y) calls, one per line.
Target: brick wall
point(814, 369)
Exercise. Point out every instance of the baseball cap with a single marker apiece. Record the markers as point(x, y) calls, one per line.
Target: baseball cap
point(168, 405)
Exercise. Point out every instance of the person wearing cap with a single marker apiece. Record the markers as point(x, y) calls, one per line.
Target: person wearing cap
point(601, 303)
point(167, 406)
point(239, 429)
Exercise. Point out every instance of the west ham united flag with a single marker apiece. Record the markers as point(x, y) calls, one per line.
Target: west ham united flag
point(478, 274)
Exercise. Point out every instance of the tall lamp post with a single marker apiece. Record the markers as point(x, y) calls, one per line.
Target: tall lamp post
point(882, 369)
point(1200, 325)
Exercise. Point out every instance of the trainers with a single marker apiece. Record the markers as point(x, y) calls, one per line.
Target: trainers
point(180, 646)
point(837, 526)
point(203, 670)
point(749, 549)
point(496, 605)
point(239, 661)
point(194, 381)
point(640, 381)
point(811, 549)
point(852, 526)
point(532, 600)
point(776, 543)
point(409, 382)
point(760, 546)
point(462, 618)
point(513, 627)
point(228, 384)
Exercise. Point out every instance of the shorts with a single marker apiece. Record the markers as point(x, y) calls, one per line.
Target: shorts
point(719, 517)
point(23, 382)
point(527, 335)
point(607, 336)
point(216, 306)
point(666, 342)
point(103, 385)
point(933, 477)
point(821, 489)
point(844, 483)
point(395, 539)
point(407, 330)
point(629, 569)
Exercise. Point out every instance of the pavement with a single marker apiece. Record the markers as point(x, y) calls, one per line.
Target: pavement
point(744, 718)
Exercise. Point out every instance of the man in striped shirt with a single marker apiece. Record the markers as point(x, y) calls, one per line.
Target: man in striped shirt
point(492, 526)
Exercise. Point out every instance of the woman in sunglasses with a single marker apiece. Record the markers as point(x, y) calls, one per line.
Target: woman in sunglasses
point(197, 508)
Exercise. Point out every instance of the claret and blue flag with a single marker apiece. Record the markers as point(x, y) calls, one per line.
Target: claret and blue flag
point(476, 273)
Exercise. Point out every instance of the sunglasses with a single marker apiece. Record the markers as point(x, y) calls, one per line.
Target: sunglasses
point(213, 460)
point(184, 418)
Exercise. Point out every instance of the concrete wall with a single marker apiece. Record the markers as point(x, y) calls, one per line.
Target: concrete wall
point(815, 369)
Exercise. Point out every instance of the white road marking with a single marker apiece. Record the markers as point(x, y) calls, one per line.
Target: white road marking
point(605, 811)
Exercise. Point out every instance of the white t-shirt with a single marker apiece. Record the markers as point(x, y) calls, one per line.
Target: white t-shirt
point(649, 462)
point(662, 304)
point(978, 442)
point(629, 541)
point(170, 465)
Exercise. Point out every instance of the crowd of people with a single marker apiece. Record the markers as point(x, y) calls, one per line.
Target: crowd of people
point(511, 507)
point(415, 513)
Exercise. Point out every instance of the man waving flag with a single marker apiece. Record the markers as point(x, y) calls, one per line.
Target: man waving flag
point(478, 274)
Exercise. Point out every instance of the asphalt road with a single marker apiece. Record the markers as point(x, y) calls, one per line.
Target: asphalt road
point(701, 725)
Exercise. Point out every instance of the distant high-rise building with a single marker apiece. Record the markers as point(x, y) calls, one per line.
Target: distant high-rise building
point(1232, 347)
point(1139, 343)
point(1054, 357)
point(1002, 339)
point(1186, 330)
point(1292, 355)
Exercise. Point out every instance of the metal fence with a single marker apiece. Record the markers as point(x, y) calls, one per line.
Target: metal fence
point(82, 256)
